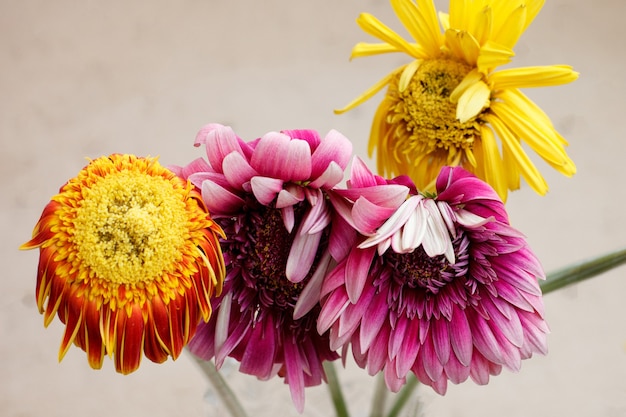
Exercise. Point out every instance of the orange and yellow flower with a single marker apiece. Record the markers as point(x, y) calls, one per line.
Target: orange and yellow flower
point(448, 105)
point(129, 261)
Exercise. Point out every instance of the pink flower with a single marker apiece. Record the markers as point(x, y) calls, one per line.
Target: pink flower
point(269, 197)
point(441, 286)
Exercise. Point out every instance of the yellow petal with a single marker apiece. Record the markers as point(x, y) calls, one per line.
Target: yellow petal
point(376, 28)
point(493, 55)
point(539, 137)
point(444, 18)
point(370, 92)
point(494, 171)
point(362, 49)
point(481, 29)
point(473, 101)
point(463, 45)
point(407, 75)
point(521, 160)
point(420, 20)
point(527, 77)
point(532, 9)
point(510, 27)
point(471, 78)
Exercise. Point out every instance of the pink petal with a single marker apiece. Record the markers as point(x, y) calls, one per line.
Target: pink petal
point(265, 189)
point(357, 269)
point(329, 178)
point(278, 156)
point(394, 223)
point(360, 174)
point(285, 198)
point(219, 200)
point(309, 135)
point(368, 217)
point(237, 170)
point(310, 295)
point(302, 255)
point(335, 147)
point(220, 141)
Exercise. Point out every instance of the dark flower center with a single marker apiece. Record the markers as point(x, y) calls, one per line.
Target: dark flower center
point(269, 260)
point(256, 253)
point(420, 285)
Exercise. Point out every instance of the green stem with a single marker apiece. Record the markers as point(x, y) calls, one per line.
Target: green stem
point(582, 271)
point(335, 390)
point(403, 396)
point(379, 397)
point(221, 387)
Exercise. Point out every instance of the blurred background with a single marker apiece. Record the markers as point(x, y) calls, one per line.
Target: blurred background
point(86, 78)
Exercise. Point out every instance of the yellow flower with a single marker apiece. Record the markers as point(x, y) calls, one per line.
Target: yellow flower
point(448, 105)
point(129, 261)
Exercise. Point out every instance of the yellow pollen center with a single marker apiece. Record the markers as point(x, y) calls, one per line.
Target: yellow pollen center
point(130, 228)
point(429, 115)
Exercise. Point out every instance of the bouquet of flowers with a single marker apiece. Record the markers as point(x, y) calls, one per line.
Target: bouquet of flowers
point(288, 254)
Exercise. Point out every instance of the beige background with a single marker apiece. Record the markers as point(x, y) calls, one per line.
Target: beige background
point(86, 78)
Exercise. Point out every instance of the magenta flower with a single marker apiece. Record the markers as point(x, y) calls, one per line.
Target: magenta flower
point(439, 286)
point(269, 197)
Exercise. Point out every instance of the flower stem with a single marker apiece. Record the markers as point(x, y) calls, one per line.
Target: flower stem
point(379, 397)
point(221, 387)
point(335, 390)
point(403, 396)
point(582, 271)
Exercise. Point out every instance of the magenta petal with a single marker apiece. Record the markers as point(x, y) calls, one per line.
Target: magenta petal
point(294, 376)
point(374, 317)
point(432, 366)
point(302, 255)
point(394, 383)
point(237, 170)
point(485, 341)
point(377, 352)
point(441, 339)
point(258, 357)
point(357, 269)
point(310, 295)
point(408, 350)
point(390, 195)
point(342, 238)
point(219, 200)
point(265, 189)
point(333, 308)
point(334, 147)
point(455, 370)
point(461, 337)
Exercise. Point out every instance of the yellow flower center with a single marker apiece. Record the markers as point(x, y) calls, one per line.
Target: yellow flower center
point(429, 115)
point(130, 227)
